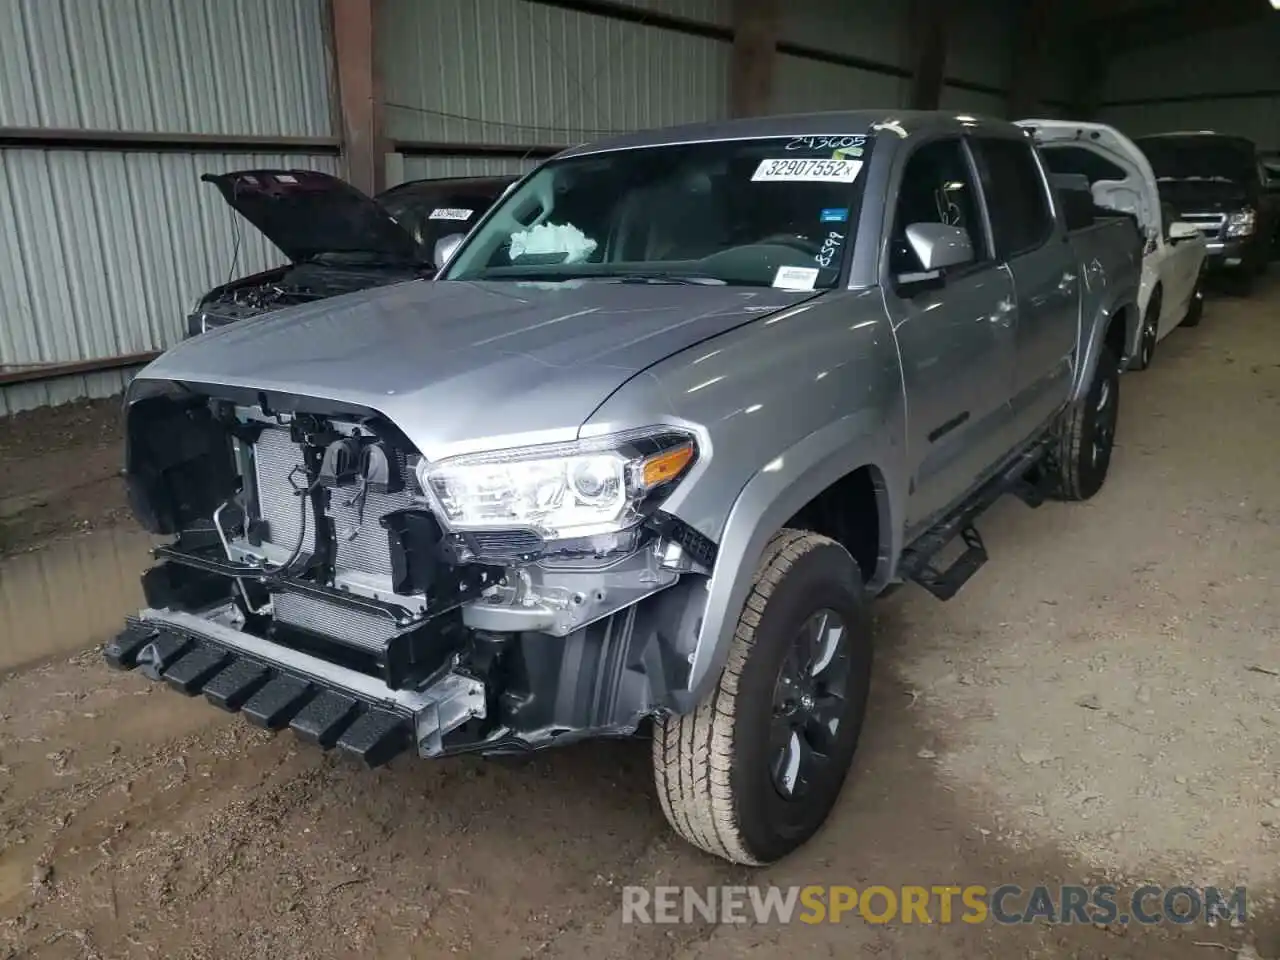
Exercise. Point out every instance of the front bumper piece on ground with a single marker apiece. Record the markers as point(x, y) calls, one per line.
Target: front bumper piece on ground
point(275, 687)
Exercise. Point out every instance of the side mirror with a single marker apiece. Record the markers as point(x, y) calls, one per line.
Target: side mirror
point(446, 247)
point(1181, 230)
point(938, 245)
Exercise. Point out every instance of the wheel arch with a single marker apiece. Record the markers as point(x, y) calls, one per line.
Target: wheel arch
point(1117, 325)
point(850, 454)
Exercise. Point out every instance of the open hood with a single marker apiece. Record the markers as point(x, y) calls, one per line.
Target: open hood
point(305, 213)
point(1204, 196)
point(1120, 177)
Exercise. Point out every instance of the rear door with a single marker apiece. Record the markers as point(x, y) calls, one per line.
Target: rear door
point(954, 332)
point(1033, 245)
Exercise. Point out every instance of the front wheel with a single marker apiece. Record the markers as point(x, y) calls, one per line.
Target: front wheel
point(1087, 435)
point(752, 773)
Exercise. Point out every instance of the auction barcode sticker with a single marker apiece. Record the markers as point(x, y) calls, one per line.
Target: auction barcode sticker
point(816, 170)
point(450, 213)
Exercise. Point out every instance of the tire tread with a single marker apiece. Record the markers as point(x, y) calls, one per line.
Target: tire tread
point(1068, 453)
point(693, 753)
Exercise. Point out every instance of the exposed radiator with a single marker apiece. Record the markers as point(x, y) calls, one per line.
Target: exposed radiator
point(338, 621)
point(362, 543)
point(275, 458)
point(364, 546)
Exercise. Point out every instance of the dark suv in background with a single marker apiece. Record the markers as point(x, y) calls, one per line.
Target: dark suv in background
point(1271, 184)
point(1216, 182)
point(338, 239)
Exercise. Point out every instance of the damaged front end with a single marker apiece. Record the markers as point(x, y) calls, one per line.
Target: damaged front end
point(322, 575)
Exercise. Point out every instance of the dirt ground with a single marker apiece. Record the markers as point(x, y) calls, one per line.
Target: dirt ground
point(59, 473)
point(1100, 704)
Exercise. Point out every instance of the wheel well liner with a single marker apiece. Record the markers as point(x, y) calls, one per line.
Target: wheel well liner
point(852, 511)
point(1121, 330)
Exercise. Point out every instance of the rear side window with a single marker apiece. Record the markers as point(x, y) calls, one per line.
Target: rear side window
point(1018, 205)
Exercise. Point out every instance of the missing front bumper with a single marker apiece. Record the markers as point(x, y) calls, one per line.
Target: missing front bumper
point(275, 687)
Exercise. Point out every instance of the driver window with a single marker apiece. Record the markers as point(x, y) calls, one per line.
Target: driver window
point(937, 187)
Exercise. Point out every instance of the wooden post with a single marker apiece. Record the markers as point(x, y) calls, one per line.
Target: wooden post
point(755, 41)
point(927, 46)
point(1033, 23)
point(363, 144)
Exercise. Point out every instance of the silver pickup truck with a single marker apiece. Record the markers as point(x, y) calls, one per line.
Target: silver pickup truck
point(636, 462)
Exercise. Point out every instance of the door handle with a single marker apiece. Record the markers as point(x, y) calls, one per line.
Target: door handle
point(1067, 281)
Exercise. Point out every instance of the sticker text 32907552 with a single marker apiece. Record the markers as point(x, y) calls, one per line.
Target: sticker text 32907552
point(808, 170)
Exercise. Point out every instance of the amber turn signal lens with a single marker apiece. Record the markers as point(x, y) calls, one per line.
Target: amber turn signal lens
point(666, 466)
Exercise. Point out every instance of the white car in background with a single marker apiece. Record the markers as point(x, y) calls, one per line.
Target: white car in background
point(1120, 178)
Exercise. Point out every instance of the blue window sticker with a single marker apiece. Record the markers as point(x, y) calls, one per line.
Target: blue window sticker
point(835, 215)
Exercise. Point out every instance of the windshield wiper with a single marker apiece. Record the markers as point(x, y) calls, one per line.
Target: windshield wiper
point(344, 259)
point(694, 279)
point(556, 276)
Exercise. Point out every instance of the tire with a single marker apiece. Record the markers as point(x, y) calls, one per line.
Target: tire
point(722, 772)
point(1087, 435)
point(1150, 334)
point(1195, 307)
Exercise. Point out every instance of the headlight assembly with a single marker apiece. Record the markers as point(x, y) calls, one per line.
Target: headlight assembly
point(1242, 224)
point(561, 491)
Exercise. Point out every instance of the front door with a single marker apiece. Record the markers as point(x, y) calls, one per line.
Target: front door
point(1047, 285)
point(954, 331)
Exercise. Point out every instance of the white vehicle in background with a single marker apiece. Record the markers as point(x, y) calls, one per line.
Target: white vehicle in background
point(1120, 178)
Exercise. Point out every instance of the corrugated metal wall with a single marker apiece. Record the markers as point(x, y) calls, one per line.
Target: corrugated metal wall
point(102, 251)
point(874, 37)
point(526, 73)
point(704, 11)
point(418, 168)
point(101, 254)
point(172, 66)
point(513, 72)
point(1226, 80)
point(802, 84)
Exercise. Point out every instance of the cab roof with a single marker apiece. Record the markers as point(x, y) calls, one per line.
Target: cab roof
point(847, 122)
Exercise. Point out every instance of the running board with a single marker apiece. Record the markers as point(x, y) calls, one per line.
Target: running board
point(916, 562)
point(946, 584)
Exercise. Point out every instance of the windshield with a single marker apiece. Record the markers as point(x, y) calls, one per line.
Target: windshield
point(430, 212)
point(764, 212)
point(1203, 158)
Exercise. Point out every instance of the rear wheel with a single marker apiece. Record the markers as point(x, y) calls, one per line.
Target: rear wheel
point(1086, 437)
point(753, 772)
point(1150, 334)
